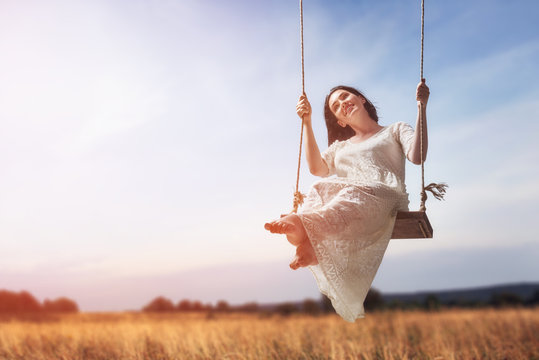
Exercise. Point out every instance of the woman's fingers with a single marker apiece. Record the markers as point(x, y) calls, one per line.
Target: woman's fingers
point(304, 101)
point(302, 112)
point(422, 86)
point(303, 98)
point(422, 92)
point(306, 107)
point(303, 108)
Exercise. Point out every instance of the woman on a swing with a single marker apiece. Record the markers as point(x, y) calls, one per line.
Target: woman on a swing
point(347, 220)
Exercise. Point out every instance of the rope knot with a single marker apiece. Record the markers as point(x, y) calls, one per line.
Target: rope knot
point(298, 200)
point(437, 190)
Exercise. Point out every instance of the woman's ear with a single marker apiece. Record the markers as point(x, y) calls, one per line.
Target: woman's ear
point(341, 124)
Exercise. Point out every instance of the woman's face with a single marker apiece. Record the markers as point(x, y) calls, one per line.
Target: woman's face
point(345, 106)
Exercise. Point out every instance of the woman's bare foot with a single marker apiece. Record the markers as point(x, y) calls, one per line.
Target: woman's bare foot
point(291, 226)
point(305, 256)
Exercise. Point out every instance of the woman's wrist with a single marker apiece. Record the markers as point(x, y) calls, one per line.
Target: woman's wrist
point(307, 121)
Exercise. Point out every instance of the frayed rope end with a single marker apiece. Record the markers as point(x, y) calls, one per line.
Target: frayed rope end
point(437, 190)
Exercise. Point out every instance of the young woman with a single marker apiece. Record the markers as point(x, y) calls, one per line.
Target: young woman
point(347, 220)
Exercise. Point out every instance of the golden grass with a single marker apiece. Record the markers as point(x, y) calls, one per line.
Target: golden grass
point(448, 334)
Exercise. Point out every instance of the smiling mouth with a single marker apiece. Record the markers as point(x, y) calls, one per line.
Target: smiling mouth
point(348, 109)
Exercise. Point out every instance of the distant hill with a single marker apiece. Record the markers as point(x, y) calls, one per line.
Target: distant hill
point(526, 291)
point(478, 295)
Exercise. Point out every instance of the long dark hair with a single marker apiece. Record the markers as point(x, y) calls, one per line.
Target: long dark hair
point(337, 132)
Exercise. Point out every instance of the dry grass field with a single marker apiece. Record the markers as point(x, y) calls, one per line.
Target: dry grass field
point(447, 334)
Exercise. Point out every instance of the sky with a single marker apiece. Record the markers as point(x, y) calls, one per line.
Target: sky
point(144, 144)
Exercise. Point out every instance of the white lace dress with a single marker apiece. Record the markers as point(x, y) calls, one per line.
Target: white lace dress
point(349, 217)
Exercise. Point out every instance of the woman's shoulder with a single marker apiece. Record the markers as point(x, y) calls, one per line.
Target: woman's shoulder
point(399, 127)
point(338, 143)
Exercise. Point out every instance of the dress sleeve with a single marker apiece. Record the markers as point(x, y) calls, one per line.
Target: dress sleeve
point(405, 136)
point(329, 157)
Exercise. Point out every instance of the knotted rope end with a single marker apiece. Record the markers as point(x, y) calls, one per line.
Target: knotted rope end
point(298, 200)
point(437, 190)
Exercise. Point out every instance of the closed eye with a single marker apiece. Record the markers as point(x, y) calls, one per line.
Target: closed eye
point(335, 105)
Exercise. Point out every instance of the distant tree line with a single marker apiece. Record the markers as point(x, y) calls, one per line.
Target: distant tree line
point(162, 304)
point(24, 302)
point(308, 306)
point(374, 301)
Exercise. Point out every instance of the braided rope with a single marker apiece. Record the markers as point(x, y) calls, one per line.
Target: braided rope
point(422, 35)
point(298, 196)
point(301, 40)
point(422, 207)
point(438, 190)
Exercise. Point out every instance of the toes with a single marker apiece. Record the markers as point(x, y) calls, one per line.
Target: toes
point(294, 265)
point(273, 227)
point(279, 227)
point(299, 262)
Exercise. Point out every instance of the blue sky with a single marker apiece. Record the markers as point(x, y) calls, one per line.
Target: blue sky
point(147, 142)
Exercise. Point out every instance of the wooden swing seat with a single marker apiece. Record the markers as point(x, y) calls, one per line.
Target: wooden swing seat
point(412, 225)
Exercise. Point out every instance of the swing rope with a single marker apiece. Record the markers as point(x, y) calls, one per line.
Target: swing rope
point(421, 109)
point(298, 196)
point(437, 190)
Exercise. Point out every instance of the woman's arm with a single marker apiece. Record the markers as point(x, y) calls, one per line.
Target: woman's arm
point(317, 165)
point(422, 96)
